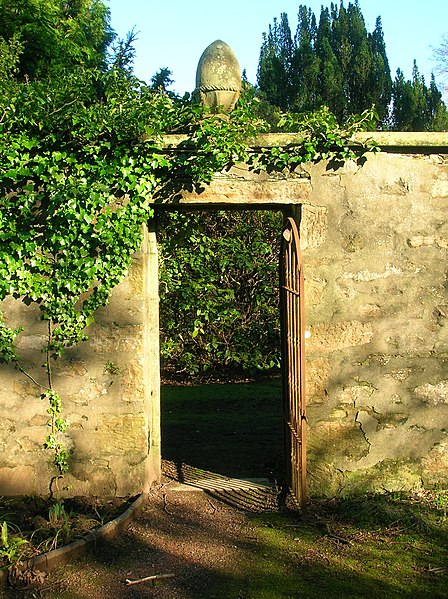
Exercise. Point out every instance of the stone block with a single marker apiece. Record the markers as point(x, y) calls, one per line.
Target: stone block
point(123, 433)
point(116, 340)
point(128, 476)
point(13, 480)
point(314, 289)
point(390, 475)
point(133, 382)
point(418, 241)
point(331, 337)
point(336, 442)
point(313, 226)
point(440, 189)
point(317, 372)
point(324, 479)
point(356, 396)
point(435, 466)
point(433, 394)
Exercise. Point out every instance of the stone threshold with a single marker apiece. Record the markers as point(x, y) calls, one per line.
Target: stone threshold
point(222, 483)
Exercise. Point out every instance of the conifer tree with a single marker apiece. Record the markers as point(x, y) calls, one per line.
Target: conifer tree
point(330, 79)
point(415, 107)
point(380, 75)
point(337, 63)
point(304, 67)
point(274, 65)
point(359, 61)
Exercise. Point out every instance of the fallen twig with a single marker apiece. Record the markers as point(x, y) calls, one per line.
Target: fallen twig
point(165, 503)
point(330, 535)
point(149, 578)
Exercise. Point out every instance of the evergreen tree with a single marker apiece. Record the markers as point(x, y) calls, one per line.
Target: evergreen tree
point(162, 80)
point(304, 66)
point(380, 76)
point(437, 110)
point(274, 65)
point(415, 107)
point(342, 48)
point(123, 53)
point(359, 62)
point(336, 63)
point(330, 80)
point(341, 65)
point(55, 34)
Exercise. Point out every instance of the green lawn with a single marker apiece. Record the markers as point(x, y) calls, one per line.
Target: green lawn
point(380, 546)
point(233, 429)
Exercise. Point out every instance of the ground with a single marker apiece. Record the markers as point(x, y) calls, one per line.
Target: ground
point(199, 539)
point(254, 545)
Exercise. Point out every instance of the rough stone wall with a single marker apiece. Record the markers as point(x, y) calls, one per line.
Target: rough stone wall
point(375, 243)
point(104, 384)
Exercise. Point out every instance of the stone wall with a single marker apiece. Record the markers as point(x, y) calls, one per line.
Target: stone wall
point(375, 243)
point(109, 386)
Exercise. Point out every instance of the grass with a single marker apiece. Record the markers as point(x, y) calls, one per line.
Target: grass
point(385, 545)
point(234, 429)
point(389, 545)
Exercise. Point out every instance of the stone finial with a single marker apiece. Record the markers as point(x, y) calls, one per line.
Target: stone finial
point(218, 77)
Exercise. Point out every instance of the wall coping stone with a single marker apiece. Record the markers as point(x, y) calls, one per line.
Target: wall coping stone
point(409, 142)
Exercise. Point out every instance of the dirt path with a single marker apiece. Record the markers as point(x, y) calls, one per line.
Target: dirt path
point(204, 542)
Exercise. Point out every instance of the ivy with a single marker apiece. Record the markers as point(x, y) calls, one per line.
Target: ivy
point(81, 162)
point(321, 138)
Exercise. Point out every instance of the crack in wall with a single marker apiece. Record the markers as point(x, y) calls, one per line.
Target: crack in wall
point(367, 424)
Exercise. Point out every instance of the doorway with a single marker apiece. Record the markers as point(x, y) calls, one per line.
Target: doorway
point(235, 423)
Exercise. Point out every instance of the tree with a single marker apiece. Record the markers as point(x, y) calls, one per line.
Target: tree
point(335, 63)
point(441, 56)
point(415, 107)
point(220, 271)
point(437, 110)
point(55, 34)
point(339, 64)
point(330, 77)
point(380, 76)
point(304, 68)
point(123, 53)
point(162, 80)
point(274, 66)
point(360, 63)
point(342, 47)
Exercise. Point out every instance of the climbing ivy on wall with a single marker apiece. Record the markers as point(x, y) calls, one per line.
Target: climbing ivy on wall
point(81, 161)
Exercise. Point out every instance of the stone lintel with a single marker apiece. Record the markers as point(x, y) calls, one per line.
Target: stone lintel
point(224, 192)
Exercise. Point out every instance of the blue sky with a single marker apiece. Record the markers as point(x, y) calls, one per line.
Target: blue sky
point(174, 33)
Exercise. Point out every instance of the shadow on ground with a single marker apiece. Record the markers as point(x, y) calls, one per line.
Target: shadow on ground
point(233, 430)
point(386, 546)
point(349, 550)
